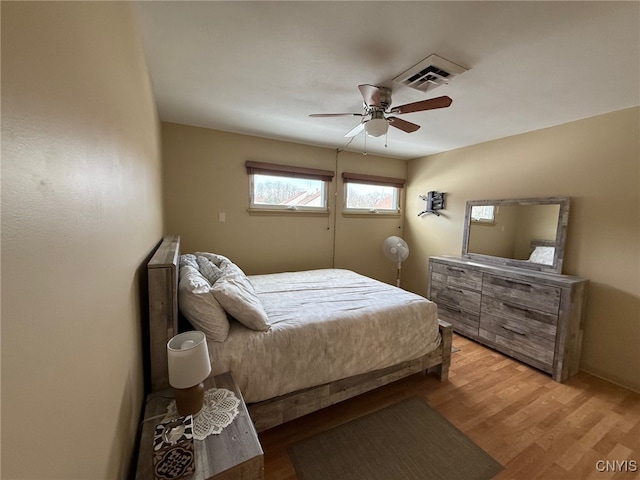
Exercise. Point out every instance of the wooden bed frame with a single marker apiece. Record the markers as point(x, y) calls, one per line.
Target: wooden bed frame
point(163, 325)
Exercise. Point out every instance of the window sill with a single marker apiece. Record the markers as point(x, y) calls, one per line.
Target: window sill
point(483, 222)
point(287, 211)
point(364, 214)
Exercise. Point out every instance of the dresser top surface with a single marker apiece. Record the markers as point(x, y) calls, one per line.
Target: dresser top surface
point(511, 271)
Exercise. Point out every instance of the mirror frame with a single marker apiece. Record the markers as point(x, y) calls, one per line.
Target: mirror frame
point(561, 233)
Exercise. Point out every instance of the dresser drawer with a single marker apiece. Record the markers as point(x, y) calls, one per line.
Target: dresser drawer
point(455, 276)
point(521, 292)
point(463, 322)
point(520, 330)
point(456, 297)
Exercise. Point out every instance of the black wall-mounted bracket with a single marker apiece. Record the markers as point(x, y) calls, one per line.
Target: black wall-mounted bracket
point(435, 202)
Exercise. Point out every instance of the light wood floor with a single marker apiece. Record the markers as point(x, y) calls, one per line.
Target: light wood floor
point(536, 428)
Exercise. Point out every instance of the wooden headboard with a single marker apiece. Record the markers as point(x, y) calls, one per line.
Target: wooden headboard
point(162, 271)
point(541, 243)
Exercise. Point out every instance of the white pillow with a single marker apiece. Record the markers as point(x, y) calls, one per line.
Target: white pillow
point(237, 297)
point(236, 294)
point(188, 259)
point(543, 255)
point(217, 260)
point(199, 305)
point(208, 269)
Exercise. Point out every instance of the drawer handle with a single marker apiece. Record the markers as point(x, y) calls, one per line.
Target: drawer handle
point(516, 307)
point(514, 330)
point(524, 284)
point(452, 269)
point(452, 309)
point(456, 290)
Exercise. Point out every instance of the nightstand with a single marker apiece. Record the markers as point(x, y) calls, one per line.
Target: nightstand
point(234, 454)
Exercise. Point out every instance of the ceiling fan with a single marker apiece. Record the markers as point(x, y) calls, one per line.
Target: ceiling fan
point(378, 114)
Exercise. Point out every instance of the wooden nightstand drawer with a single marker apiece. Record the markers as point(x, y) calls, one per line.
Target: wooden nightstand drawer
point(234, 454)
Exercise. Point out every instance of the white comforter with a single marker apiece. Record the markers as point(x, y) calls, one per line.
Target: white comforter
point(325, 325)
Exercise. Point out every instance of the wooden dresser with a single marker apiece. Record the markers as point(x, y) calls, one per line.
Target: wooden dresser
point(532, 316)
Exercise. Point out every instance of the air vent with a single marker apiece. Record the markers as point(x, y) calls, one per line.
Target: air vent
point(429, 73)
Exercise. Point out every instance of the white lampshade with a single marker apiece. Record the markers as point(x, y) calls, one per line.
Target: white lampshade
point(376, 127)
point(189, 362)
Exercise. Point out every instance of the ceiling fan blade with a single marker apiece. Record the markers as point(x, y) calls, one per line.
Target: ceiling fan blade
point(371, 95)
point(355, 130)
point(336, 115)
point(432, 103)
point(403, 124)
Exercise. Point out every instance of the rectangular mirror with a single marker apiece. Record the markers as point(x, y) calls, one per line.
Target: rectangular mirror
point(527, 233)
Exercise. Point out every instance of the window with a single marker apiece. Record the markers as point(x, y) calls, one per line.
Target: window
point(277, 191)
point(283, 187)
point(371, 194)
point(483, 213)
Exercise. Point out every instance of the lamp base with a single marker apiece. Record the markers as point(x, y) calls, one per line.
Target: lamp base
point(189, 401)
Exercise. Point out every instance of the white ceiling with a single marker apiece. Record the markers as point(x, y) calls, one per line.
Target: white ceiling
point(260, 68)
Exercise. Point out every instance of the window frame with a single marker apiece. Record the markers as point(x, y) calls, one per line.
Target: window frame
point(483, 220)
point(374, 180)
point(288, 171)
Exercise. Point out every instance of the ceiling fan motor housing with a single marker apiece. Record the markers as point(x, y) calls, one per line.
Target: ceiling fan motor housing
point(384, 97)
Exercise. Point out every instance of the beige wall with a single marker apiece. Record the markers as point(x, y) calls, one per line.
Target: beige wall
point(537, 222)
point(495, 238)
point(206, 175)
point(81, 211)
point(594, 161)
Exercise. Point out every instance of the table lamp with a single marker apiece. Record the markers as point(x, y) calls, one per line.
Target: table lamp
point(189, 366)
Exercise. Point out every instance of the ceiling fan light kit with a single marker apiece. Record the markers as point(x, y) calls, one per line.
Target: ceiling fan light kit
point(377, 126)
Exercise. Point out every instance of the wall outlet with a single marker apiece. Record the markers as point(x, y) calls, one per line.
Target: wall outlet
point(222, 217)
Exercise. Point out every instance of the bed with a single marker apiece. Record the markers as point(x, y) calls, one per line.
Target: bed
point(315, 348)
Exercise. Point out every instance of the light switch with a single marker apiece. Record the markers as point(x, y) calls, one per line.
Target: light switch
point(222, 217)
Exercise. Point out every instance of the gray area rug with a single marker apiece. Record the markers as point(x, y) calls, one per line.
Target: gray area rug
point(405, 441)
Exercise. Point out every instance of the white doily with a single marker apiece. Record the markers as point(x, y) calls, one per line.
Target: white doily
point(219, 409)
